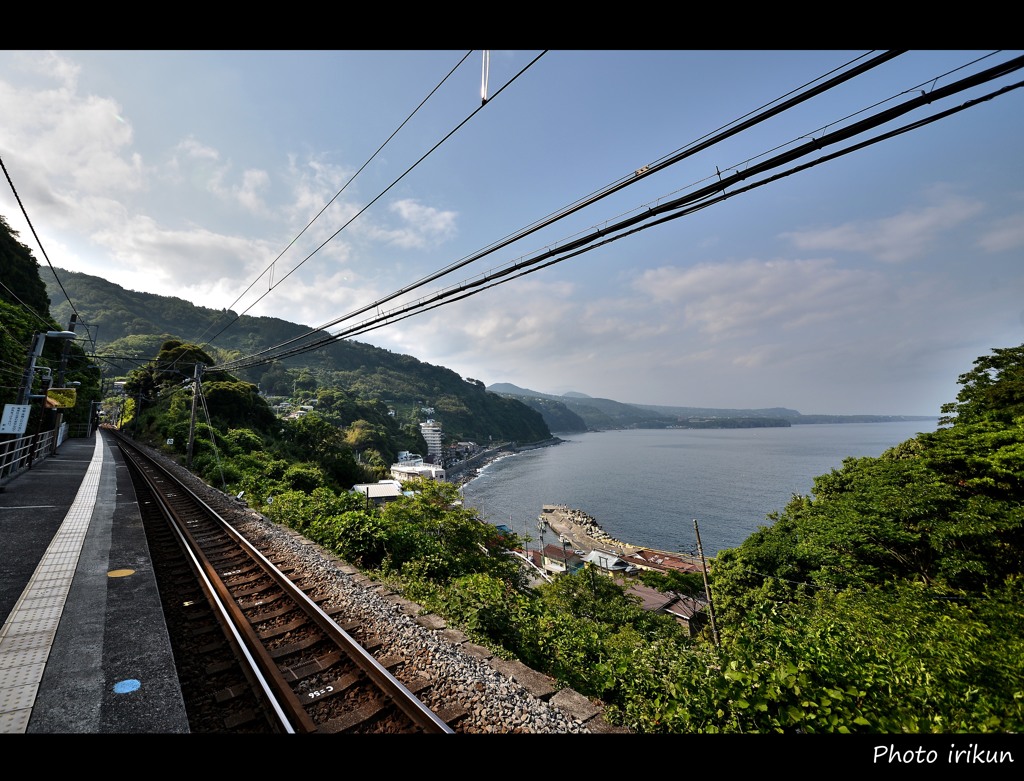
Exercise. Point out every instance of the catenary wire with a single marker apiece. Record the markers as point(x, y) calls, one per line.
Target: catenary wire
point(345, 186)
point(382, 193)
point(787, 101)
point(694, 201)
point(40, 243)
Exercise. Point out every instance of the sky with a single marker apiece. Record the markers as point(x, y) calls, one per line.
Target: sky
point(329, 188)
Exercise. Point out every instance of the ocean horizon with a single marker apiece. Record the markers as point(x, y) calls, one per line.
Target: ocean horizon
point(648, 487)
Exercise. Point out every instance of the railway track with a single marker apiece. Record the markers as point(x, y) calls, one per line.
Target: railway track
point(256, 651)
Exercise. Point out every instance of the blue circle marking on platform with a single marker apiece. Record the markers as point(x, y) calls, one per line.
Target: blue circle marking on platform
point(126, 686)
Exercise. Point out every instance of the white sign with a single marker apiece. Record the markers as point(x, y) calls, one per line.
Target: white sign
point(170, 441)
point(15, 419)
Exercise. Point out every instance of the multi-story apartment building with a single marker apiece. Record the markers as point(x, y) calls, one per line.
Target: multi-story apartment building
point(432, 434)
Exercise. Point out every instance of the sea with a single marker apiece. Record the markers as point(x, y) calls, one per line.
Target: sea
point(664, 488)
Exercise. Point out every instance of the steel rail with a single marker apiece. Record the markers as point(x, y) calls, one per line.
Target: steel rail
point(284, 699)
point(258, 666)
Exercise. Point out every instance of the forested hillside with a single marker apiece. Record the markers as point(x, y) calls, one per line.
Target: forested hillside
point(130, 329)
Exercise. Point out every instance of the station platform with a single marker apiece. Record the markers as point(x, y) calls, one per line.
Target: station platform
point(83, 645)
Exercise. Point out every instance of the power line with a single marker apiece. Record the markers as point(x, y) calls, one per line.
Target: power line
point(688, 204)
point(344, 187)
point(810, 89)
point(25, 306)
point(384, 191)
point(38, 241)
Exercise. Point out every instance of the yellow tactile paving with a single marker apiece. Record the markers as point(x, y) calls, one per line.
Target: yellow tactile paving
point(26, 637)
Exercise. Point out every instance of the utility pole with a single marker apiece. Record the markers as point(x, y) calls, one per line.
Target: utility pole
point(707, 588)
point(196, 389)
point(135, 417)
point(541, 527)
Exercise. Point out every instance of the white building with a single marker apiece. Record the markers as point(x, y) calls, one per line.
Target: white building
point(380, 492)
point(432, 434)
point(412, 472)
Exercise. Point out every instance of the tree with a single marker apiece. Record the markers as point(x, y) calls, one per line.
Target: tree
point(236, 403)
point(992, 390)
point(19, 270)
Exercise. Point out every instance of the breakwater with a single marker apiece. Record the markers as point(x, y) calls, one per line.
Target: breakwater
point(582, 528)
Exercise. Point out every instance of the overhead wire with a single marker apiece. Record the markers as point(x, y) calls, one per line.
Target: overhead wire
point(344, 187)
point(384, 191)
point(692, 202)
point(674, 206)
point(724, 132)
point(26, 307)
point(38, 241)
point(533, 264)
point(794, 97)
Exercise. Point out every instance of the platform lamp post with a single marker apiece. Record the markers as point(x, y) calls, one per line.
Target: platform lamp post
point(59, 417)
point(25, 391)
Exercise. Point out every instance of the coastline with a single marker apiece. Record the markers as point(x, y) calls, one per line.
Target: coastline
point(468, 470)
point(580, 530)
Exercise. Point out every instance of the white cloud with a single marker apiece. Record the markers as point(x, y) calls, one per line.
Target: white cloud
point(734, 300)
point(895, 239)
point(55, 140)
point(421, 226)
point(248, 193)
point(1006, 234)
point(178, 259)
point(199, 164)
point(192, 148)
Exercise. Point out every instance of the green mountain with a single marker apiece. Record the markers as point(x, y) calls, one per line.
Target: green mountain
point(578, 412)
point(128, 328)
point(596, 413)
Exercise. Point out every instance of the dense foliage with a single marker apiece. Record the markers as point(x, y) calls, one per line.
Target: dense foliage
point(897, 584)
point(889, 601)
point(131, 328)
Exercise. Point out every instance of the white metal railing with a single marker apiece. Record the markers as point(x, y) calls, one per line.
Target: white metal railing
point(19, 453)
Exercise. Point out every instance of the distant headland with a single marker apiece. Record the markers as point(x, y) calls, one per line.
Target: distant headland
point(577, 412)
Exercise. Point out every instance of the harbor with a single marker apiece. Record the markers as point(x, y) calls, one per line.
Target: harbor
point(580, 530)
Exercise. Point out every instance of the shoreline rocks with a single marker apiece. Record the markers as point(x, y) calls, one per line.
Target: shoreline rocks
point(470, 469)
point(582, 529)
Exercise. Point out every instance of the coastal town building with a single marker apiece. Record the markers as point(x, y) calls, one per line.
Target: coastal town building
point(433, 435)
point(608, 563)
point(411, 466)
point(688, 611)
point(412, 471)
point(557, 559)
point(659, 561)
point(691, 612)
point(379, 493)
